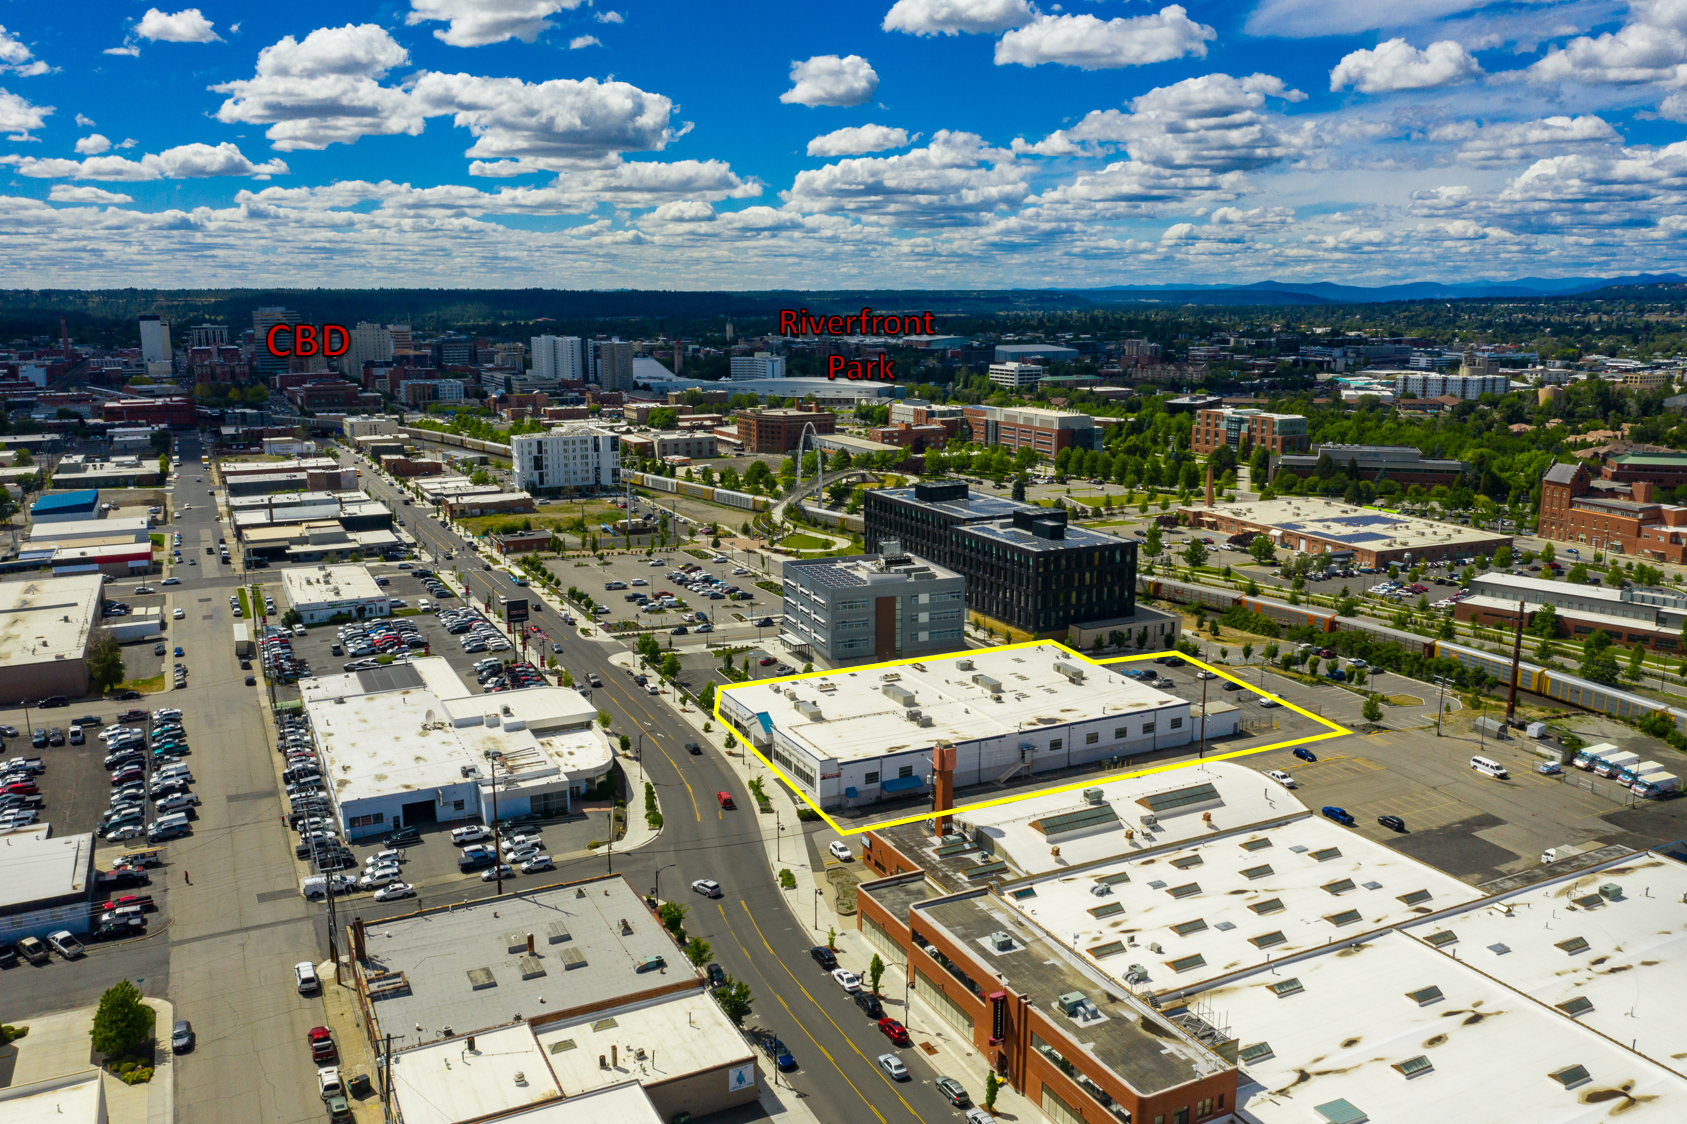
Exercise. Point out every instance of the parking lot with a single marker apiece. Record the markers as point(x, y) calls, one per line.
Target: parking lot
point(730, 620)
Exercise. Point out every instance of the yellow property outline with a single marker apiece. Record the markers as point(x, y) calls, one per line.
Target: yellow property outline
point(1334, 730)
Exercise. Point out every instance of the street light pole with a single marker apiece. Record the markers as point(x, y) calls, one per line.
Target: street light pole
point(817, 910)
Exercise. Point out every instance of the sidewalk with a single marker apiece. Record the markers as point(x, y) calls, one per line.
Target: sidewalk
point(57, 1045)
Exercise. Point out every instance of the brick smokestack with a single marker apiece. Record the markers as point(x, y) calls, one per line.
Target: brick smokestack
point(943, 783)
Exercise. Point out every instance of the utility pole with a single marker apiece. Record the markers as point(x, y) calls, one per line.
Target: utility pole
point(1516, 669)
point(386, 1080)
point(497, 840)
point(1204, 683)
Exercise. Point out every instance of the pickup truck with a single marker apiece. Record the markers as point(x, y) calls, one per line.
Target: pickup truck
point(64, 944)
point(33, 951)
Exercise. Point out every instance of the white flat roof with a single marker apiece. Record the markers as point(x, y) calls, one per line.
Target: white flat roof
point(626, 1103)
point(446, 1082)
point(34, 867)
point(46, 619)
point(1291, 886)
point(1347, 525)
point(1633, 970)
point(1241, 797)
point(679, 1035)
point(858, 720)
point(1490, 1051)
point(410, 738)
point(118, 526)
point(75, 1098)
point(319, 585)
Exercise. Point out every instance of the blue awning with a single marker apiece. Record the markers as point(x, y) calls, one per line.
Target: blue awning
point(850, 792)
point(902, 784)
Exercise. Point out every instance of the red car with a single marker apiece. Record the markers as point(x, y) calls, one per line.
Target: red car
point(321, 1041)
point(895, 1031)
point(725, 799)
point(143, 900)
point(21, 788)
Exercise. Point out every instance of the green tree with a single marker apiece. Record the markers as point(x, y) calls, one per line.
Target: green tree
point(565, 678)
point(105, 661)
point(1018, 492)
point(1636, 664)
point(1373, 709)
point(122, 1022)
point(23, 459)
point(1195, 553)
point(673, 919)
point(1598, 664)
point(1262, 549)
point(734, 999)
point(992, 1087)
point(626, 744)
point(1545, 622)
point(664, 418)
point(1502, 556)
point(875, 972)
point(698, 951)
point(1548, 553)
point(603, 719)
point(1151, 543)
point(1577, 574)
point(292, 617)
point(670, 666)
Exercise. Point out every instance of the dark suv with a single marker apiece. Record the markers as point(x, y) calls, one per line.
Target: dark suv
point(869, 1003)
point(824, 957)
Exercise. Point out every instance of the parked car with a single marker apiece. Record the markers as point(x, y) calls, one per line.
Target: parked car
point(304, 972)
point(181, 1037)
point(894, 1031)
point(708, 887)
point(1305, 754)
point(1392, 823)
point(321, 1042)
point(893, 1066)
point(954, 1090)
point(847, 979)
point(869, 1003)
point(839, 850)
point(1281, 778)
point(1339, 815)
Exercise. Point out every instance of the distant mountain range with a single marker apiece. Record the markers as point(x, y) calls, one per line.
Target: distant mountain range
point(1326, 292)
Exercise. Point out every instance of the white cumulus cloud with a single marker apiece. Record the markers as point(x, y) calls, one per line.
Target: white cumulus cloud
point(324, 90)
point(548, 124)
point(64, 193)
point(580, 41)
point(609, 17)
point(17, 58)
point(830, 80)
point(952, 17)
point(857, 139)
point(1512, 142)
point(84, 122)
point(1090, 43)
point(18, 115)
point(132, 52)
point(92, 145)
point(476, 23)
point(1653, 48)
point(186, 26)
point(187, 161)
point(955, 180)
point(1397, 65)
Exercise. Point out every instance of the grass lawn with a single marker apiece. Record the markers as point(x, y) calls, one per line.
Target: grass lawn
point(245, 605)
point(145, 686)
point(1403, 700)
point(557, 515)
point(805, 542)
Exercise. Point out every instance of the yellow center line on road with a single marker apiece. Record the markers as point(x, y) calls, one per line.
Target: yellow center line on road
point(800, 1024)
point(691, 794)
point(828, 1018)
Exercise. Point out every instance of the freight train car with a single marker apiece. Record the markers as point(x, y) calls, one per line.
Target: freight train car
point(1290, 616)
point(1411, 641)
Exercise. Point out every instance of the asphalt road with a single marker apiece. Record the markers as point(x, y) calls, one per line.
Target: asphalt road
point(759, 934)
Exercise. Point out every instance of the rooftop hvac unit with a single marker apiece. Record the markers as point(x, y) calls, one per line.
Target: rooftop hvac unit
point(1072, 1002)
point(1149, 819)
point(900, 694)
point(1002, 941)
point(963, 665)
point(1073, 672)
point(809, 710)
point(912, 714)
point(994, 686)
point(1101, 889)
point(1092, 796)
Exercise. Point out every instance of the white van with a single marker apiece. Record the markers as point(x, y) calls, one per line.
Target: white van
point(423, 605)
point(177, 819)
point(1489, 768)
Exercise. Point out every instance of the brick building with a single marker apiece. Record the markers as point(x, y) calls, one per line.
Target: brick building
point(778, 431)
point(1619, 518)
point(1662, 468)
point(150, 411)
point(907, 435)
point(323, 395)
point(1045, 431)
point(1279, 433)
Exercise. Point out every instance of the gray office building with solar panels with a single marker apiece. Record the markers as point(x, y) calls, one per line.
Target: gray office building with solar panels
point(872, 607)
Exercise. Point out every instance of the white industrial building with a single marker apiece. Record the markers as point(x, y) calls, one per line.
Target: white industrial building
point(367, 425)
point(409, 744)
point(45, 625)
point(45, 883)
point(574, 457)
point(1016, 375)
point(322, 592)
point(1433, 385)
point(558, 359)
point(853, 737)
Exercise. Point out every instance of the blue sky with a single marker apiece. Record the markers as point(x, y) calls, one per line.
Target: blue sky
point(952, 143)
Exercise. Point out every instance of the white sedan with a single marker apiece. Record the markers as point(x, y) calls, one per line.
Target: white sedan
point(178, 614)
point(395, 891)
point(847, 980)
point(1282, 778)
point(708, 887)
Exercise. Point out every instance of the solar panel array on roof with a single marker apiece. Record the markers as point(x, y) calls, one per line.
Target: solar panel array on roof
point(395, 677)
point(835, 577)
point(1076, 821)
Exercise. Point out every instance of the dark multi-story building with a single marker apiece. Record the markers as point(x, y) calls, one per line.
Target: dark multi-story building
point(1400, 463)
point(1025, 566)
